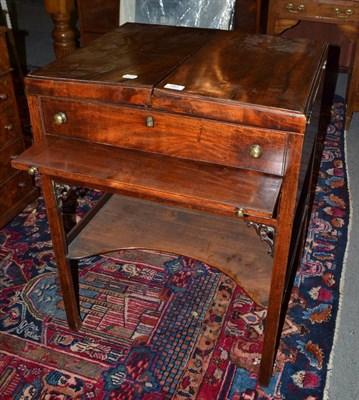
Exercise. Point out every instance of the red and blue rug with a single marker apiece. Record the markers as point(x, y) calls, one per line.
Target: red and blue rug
point(159, 326)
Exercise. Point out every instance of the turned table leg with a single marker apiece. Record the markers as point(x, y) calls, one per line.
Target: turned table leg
point(63, 34)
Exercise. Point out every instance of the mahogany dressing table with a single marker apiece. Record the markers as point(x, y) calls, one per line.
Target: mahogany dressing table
point(204, 142)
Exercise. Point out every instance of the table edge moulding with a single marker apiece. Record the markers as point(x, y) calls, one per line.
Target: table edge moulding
point(183, 133)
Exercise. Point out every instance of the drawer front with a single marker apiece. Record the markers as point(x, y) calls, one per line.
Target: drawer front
point(14, 190)
point(6, 155)
point(6, 91)
point(332, 11)
point(165, 133)
point(4, 58)
point(8, 126)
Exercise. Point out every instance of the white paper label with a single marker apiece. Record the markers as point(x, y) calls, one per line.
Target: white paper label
point(129, 76)
point(173, 86)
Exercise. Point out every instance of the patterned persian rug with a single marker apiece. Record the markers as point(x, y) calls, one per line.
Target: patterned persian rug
point(160, 326)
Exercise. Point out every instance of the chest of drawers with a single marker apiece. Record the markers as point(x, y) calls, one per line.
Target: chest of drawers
point(203, 141)
point(337, 12)
point(16, 189)
point(284, 14)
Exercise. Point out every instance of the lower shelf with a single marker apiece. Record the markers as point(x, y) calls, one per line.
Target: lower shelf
point(225, 243)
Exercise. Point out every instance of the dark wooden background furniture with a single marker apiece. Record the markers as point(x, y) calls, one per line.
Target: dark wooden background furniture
point(343, 14)
point(204, 142)
point(64, 35)
point(97, 17)
point(16, 189)
point(251, 16)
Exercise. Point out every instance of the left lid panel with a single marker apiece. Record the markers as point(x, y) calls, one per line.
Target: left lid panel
point(122, 66)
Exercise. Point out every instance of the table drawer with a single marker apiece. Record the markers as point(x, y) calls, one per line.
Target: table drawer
point(341, 11)
point(166, 133)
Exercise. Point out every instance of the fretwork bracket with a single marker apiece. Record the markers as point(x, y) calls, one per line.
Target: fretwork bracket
point(266, 234)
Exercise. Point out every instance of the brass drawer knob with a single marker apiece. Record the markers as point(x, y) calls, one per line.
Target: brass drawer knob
point(60, 118)
point(301, 7)
point(291, 8)
point(150, 122)
point(3, 96)
point(32, 171)
point(255, 151)
point(343, 13)
point(239, 212)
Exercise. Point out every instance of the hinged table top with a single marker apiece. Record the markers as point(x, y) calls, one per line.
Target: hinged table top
point(225, 75)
